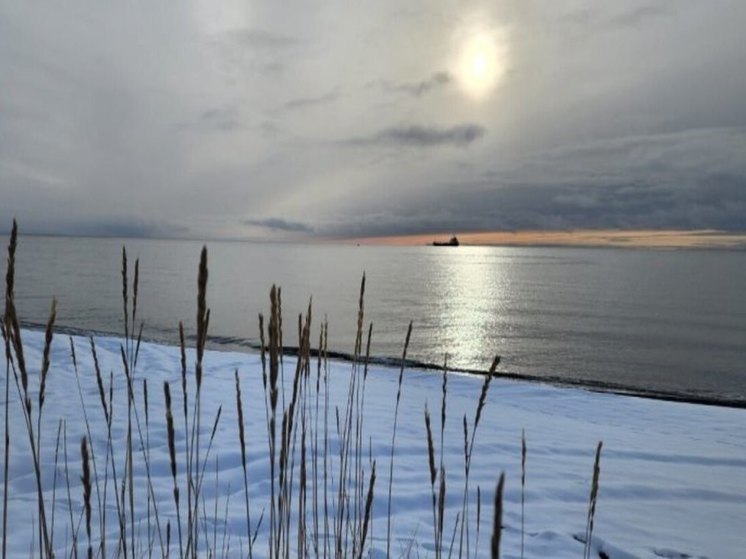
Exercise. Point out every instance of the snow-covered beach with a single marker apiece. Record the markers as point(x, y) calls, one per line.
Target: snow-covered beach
point(672, 484)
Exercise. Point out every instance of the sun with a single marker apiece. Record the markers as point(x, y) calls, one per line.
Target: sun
point(480, 63)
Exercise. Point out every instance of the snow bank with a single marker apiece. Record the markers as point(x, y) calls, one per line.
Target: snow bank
point(673, 475)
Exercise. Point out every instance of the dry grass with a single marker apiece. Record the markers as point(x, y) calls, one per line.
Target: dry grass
point(497, 524)
point(592, 501)
point(322, 472)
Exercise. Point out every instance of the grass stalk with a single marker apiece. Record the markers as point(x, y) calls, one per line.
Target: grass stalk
point(315, 449)
point(327, 548)
point(74, 549)
point(147, 447)
point(129, 460)
point(242, 440)
point(185, 404)
point(393, 439)
point(442, 485)
point(54, 482)
point(84, 409)
point(125, 299)
point(274, 351)
point(523, 491)
point(360, 419)
point(479, 519)
point(172, 460)
point(9, 295)
point(108, 410)
point(469, 449)
point(14, 335)
point(86, 481)
point(592, 501)
point(6, 462)
point(203, 320)
point(368, 509)
point(433, 478)
point(497, 524)
point(200, 479)
point(48, 336)
point(349, 474)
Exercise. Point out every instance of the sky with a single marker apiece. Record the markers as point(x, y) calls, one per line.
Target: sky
point(286, 120)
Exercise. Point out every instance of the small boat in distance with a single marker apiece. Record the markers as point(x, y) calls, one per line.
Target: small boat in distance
point(452, 242)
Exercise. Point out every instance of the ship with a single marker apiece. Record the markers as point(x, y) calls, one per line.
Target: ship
point(452, 242)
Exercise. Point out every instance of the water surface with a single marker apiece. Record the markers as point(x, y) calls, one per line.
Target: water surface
point(644, 320)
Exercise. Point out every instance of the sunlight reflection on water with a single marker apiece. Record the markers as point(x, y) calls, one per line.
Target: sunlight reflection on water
point(469, 296)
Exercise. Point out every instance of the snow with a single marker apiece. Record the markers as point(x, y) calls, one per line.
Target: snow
point(672, 483)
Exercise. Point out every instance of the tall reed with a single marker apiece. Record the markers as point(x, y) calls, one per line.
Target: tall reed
point(242, 440)
point(172, 460)
point(393, 438)
point(433, 477)
point(497, 524)
point(6, 343)
point(469, 450)
point(523, 490)
point(592, 501)
point(89, 434)
point(203, 321)
point(86, 480)
point(18, 367)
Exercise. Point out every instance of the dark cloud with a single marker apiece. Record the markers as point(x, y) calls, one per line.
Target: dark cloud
point(425, 136)
point(305, 102)
point(560, 207)
point(599, 17)
point(420, 88)
point(279, 224)
point(132, 228)
point(689, 180)
point(223, 118)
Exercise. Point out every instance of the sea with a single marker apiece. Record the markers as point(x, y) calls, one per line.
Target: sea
point(659, 323)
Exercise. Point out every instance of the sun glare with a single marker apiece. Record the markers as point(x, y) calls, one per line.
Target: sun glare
point(480, 63)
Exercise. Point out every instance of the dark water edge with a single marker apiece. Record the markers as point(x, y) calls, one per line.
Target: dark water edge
point(230, 343)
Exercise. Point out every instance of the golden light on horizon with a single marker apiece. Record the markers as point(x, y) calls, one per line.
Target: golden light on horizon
point(481, 61)
point(705, 238)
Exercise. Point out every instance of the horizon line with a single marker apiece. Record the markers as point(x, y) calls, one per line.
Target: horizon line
point(612, 237)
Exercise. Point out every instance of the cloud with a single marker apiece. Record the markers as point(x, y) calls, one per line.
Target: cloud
point(560, 207)
point(599, 18)
point(246, 52)
point(305, 102)
point(279, 224)
point(636, 16)
point(110, 114)
point(225, 118)
point(425, 136)
point(258, 39)
point(420, 88)
point(126, 227)
point(694, 179)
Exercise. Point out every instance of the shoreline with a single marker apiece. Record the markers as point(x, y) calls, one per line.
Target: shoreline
point(228, 344)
